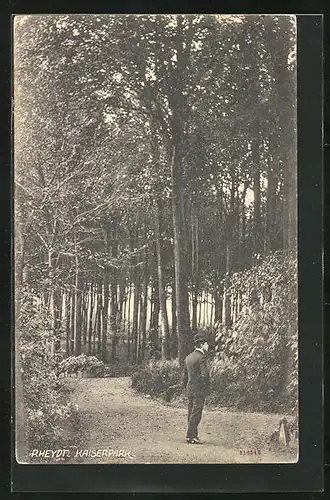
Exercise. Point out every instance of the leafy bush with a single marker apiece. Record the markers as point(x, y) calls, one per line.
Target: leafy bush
point(90, 365)
point(48, 414)
point(257, 357)
point(155, 377)
point(255, 364)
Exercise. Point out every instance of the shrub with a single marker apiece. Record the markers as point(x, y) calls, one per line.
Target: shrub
point(90, 365)
point(257, 357)
point(156, 376)
point(48, 414)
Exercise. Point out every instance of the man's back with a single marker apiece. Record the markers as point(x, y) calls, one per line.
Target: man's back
point(196, 375)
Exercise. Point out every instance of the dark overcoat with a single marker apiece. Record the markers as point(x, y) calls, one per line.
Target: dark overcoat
point(196, 377)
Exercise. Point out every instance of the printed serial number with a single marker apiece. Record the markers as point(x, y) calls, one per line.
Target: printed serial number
point(250, 452)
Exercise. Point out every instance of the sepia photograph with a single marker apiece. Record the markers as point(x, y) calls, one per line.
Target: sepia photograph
point(155, 239)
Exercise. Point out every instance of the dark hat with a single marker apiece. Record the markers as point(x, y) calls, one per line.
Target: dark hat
point(199, 337)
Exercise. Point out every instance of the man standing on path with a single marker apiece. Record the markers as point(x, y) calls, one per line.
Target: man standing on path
point(196, 381)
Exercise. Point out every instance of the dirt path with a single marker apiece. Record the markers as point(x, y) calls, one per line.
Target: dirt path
point(114, 417)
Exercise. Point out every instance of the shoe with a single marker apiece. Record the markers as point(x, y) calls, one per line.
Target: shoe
point(194, 441)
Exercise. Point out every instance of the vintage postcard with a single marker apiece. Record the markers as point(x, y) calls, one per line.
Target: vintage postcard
point(155, 174)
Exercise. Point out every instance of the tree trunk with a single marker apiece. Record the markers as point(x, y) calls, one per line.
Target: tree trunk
point(84, 315)
point(114, 291)
point(200, 309)
point(204, 309)
point(91, 311)
point(67, 324)
point(72, 320)
point(113, 319)
point(218, 305)
point(136, 298)
point(99, 318)
point(105, 317)
point(181, 285)
point(129, 320)
point(51, 304)
point(195, 266)
point(257, 227)
point(121, 315)
point(77, 308)
point(152, 305)
point(143, 317)
point(144, 298)
point(58, 299)
point(156, 307)
point(161, 287)
point(226, 316)
point(179, 108)
point(269, 239)
point(212, 314)
point(174, 343)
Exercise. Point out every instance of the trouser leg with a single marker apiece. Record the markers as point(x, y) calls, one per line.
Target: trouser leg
point(190, 407)
point(195, 416)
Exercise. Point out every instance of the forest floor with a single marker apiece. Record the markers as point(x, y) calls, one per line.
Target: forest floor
point(113, 416)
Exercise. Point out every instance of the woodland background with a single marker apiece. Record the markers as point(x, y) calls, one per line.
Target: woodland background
point(155, 196)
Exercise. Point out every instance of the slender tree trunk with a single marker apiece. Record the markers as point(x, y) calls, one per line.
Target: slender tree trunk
point(67, 324)
point(204, 310)
point(135, 332)
point(207, 317)
point(91, 311)
point(195, 266)
point(113, 318)
point(72, 320)
point(114, 292)
point(226, 299)
point(243, 253)
point(144, 301)
point(58, 299)
point(84, 315)
point(121, 306)
point(155, 325)
point(152, 306)
point(143, 318)
point(161, 288)
point(121, 311)
point(51, 303)
point(129, 320)
point(212, 314)
point(105, 317)
point(174, 322)
point(99, 317)
point(257, 226)
point(219, 261)
point(77, 307)
point(136, 298)
point(269, 238)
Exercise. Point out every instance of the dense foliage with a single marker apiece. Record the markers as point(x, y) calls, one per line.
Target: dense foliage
point(255, 364)
point(156, 377)
point(90, 366)
point(49, 414)
point(257, 357)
